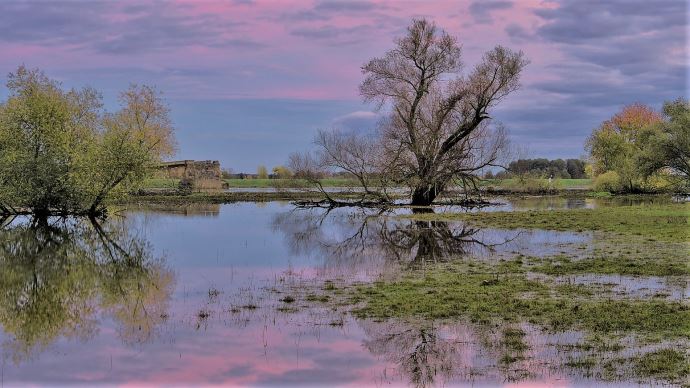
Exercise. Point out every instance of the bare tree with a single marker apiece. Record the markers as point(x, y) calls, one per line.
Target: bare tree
point(438, 131)
point(359, 155)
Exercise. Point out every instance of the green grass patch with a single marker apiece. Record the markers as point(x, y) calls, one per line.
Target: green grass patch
point(616, 265)
point(287, 183)
point(447, 292)
point(559, 183)
point(667, 364)
point(669, 222)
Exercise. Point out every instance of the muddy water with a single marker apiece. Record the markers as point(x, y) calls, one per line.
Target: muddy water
point(183, 296)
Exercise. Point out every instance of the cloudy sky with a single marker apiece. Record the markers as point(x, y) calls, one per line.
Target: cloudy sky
point(250, 81)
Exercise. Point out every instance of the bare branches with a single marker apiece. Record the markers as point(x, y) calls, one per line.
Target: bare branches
point(439, 119)
point(438, 131)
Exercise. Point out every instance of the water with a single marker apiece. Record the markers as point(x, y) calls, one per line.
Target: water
point(191, 296)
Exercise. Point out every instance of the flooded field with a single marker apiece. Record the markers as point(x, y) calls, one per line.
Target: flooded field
point(267, 294)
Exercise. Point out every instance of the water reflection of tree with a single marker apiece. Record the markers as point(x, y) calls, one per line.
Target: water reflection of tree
point(56, 276)
point(427, 353)
point(365, 236)
point(422, 355)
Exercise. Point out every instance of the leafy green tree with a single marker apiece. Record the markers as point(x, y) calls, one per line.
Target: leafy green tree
point(61, 153)
point(576, 168)
point(282, 172)
point(45, 134)
point(671, 149)
point(133, 140)
point(262, 172)
point(619, 145)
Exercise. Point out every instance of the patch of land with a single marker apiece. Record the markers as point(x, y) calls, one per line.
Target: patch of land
point(287, 183)
point(669, 222)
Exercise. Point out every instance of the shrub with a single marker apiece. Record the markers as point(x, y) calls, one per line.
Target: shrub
point(609, 181)
point(661, 183)
point(533, 185)
point(186, 186)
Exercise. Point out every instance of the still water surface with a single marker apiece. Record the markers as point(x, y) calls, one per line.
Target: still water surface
point(181, 296)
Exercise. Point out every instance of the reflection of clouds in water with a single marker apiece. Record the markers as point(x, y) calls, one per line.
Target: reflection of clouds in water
point(535, 242)
point(622, 286)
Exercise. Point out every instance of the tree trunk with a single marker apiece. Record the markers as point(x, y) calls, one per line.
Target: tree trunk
point(424, 195)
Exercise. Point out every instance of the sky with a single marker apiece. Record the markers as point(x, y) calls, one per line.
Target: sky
point(250, 81)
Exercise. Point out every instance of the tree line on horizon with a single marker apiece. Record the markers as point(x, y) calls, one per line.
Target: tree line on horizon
point(543, 168)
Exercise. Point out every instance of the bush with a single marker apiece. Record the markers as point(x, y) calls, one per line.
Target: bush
point(609, 181)
point(186, 186)
point(533, 185)
point(660, 183)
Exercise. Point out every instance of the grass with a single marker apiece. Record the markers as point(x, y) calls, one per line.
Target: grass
point(160, 183)
point(669, 222)
point(167, 183)
point(286, 183)
point(668, 364)
point(666, 265)
point(227, 197)
point(448, 291)
point(559, 183)
point(510, 296)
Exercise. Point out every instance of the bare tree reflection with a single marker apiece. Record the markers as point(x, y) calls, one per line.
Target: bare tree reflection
point(367, 236)
point(56, 276)
point(429, 353)
point(421, 354)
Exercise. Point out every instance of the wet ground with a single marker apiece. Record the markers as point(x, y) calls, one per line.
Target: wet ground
point(198, 295)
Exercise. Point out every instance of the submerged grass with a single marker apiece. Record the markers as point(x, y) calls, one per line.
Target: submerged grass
point(668, 364)
point(614, 265)
point(668, 222)
point(455, 291)
point(446, 292)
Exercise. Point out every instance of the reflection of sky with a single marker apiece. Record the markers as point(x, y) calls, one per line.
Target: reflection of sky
point(239, 251)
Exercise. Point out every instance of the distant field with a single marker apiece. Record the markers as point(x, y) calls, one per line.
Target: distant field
point(160, 183)
point(259, 183)
point(558, 183)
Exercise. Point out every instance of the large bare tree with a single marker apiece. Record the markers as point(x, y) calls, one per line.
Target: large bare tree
point(438, 131)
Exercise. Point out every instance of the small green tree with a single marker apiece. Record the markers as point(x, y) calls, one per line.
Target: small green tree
point(619, 145)
point(61, 153)
point(262, 172)
point(133, 140)
point(282, 172)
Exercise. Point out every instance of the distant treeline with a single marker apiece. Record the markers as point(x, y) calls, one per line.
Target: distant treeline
point(558, 168)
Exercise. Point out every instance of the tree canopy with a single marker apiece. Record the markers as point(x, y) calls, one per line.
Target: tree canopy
point(60, 152)
point(672, 148)
point(557, 168)
point(642, 150)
